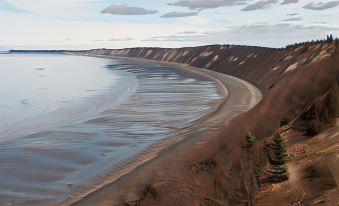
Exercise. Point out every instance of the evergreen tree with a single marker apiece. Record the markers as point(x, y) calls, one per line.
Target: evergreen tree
point(330, 38)
point(278, 158)
point(249, 142)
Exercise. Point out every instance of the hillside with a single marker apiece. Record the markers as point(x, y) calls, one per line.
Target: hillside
point(300, 92)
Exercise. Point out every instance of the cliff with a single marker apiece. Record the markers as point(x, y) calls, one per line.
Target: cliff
point(294, 82)
point(262, 66)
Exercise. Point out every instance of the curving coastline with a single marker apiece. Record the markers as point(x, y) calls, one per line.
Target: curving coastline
point(210, 168)
point(294, 81)
point(239, 97)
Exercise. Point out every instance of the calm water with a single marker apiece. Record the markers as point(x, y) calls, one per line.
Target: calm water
point(65, 121)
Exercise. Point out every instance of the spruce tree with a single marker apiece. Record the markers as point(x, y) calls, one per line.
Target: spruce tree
point(249, 142)
point(329, 38)
point(278, 159)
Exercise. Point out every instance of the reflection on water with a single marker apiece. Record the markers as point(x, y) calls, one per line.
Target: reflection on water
point(50, 164)
point(49, 86)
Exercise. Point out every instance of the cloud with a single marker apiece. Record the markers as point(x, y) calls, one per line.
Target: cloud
point(127, 10)
point(60, 8)
point(4, 5)
point(122, 39)
point(196, 20)
point(207, 4)
point(179, 14)
point(320, 22)
point(292, 14)
point(321, 5)
point(293, 19)
point(289, 2)
point(210, 32)
point(117, 39)
point(176, 38)
point(186, 36)
point(187, 32)
point(276, 35)
point(259, 5)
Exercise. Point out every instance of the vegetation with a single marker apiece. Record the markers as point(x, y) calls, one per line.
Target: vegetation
point(322, 114)
point(328, 39)
point(249, 142)
point(278, 159)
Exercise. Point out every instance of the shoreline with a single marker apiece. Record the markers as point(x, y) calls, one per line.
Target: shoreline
point(214, 120)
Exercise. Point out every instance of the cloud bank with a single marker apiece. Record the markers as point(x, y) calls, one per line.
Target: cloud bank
point(289, 2)
point(127, 10)
point(259, 5)
point(179, 14)
point(321, 5)
point(293, 19)
point(207, 4)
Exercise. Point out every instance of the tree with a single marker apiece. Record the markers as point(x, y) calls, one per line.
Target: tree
point(248, 146)
point(278, 158)
point(249, 142)
point(330, 38)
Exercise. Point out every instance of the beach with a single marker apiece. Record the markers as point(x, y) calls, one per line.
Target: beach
point(176, 151)
point(67, 155)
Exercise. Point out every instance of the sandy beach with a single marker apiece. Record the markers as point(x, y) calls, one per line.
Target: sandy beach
point(147, 104)
point(239, 97)
point(169, 103)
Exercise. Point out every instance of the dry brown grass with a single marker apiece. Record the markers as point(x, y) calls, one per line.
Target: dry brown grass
point(222, 173)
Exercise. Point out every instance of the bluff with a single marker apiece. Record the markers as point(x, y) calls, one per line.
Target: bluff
point(295, 81)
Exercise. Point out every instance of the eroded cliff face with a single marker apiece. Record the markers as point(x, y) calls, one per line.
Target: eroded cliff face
point(261, 66)
point(293, 82)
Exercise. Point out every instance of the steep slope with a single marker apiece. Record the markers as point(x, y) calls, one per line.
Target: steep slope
point(293, 81)
point(262, 66)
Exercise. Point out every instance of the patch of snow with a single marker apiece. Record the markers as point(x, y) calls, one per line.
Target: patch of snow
point(288, 57)
point(140, 52)
point(275, 68)
point(292, 67)
point(164, 57)
point(194, 59)
point(149, 52)
point(215, 58)
point(206, 53)
point(233, 59)
point(208, 65)
point(323, 54)
point(185, 53)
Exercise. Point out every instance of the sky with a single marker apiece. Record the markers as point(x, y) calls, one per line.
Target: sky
point(87, 24)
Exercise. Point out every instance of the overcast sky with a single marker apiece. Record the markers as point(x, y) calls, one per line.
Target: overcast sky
point(85, 24)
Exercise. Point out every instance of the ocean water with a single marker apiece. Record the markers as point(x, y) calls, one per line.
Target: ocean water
point(68, 121)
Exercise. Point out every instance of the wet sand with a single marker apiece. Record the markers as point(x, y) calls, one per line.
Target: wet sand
point(126, 185)
point(46, 166)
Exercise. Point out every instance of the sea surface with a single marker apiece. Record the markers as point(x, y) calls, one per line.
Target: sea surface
point(68, 121)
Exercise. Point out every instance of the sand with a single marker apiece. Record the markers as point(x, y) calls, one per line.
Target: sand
point(50, 165)
point(155, 165)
